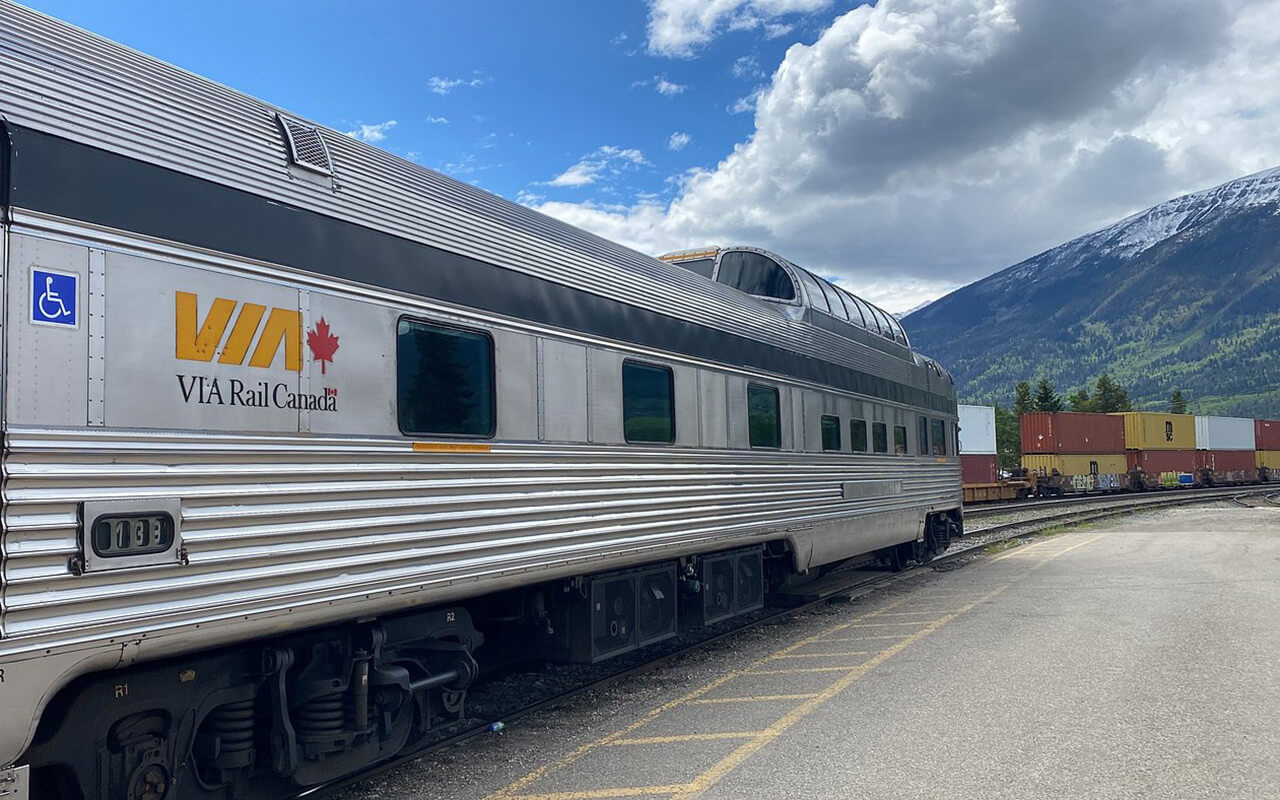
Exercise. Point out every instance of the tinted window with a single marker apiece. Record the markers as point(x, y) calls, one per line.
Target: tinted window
point(833, 300)
point(702, 266)
point(830, 433)
point(858, 435)
point(855, 309)
point(938, 436)
point(873, 322)
point(884, 323)
point(880, 437)
point(755, 274)
point(648, 403)
point(763, 421)
point(444, 380)
point(900, 439)
point(816, 298)
point(923, 433)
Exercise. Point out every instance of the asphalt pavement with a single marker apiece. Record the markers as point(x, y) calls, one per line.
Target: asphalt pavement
point(1134, 659)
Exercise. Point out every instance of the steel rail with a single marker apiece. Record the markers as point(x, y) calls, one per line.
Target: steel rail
point(995, 508)
point(1015, 530)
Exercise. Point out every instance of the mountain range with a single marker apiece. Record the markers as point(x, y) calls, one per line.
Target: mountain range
point(1184, 295)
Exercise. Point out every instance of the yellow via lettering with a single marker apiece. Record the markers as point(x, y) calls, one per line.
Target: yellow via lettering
point(198, 341)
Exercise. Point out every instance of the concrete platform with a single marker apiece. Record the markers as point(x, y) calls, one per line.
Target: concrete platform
point(1136, 659)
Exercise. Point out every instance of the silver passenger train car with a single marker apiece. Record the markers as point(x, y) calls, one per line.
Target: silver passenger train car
point(299, 436)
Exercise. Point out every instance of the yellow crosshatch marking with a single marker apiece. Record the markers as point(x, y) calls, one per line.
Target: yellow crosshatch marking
point(757, 740)
point(827, 655)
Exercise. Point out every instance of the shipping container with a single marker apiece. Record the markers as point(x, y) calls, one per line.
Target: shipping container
point(1226, 460)
point(1075, 464)
point(975, 469)
point(1224, 433)
point(1268, 458)
point(1160, 461)
point(977, 430)
point(1147, 431)
point(1266, 434)
point(1068, 432)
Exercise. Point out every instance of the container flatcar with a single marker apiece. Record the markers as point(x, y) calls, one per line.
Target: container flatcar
point(299, 435)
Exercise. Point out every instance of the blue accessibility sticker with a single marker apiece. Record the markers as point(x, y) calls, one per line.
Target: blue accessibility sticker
point(53, 297)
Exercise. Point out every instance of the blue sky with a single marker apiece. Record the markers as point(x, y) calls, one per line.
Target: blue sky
point(528, 89)
point(903, 148)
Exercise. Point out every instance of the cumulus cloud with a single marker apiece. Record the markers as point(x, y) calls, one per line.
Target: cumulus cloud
point(679, 141)
point(606, 161)
point(681, 27)
point(919, 144)
point(443, 86)
point(662, 86)
point(372, 133)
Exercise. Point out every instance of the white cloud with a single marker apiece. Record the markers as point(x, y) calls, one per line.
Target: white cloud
point(442, 86)
point(681, 27)
point(920, 144)
point(606, 161)
point(662, 86)
point(746, 67)
point(372, 133)
point(679, 141)
point(438, 120)
point(619, 39)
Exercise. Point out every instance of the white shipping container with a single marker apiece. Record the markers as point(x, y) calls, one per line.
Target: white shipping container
point(978, 430)
point(1224, 433)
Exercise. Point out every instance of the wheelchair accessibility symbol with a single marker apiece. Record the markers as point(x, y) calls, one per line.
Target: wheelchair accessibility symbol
point(53, 298)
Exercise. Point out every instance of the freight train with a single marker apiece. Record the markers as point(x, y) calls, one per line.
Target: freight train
point(299, 437)
point(1076, 453)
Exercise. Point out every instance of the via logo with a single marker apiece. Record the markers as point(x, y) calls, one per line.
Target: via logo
point(53, 298)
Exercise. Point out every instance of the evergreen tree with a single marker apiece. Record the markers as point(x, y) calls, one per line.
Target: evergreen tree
point(1022, 402)
point(1079, 400)
point(1008, 438)
point(1109, 396)
point(1177, 403)
point(1047, 398)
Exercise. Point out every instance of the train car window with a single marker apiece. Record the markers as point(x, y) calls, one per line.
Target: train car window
point(830, 433)
point(900, 439)
point(884, 322)
point(858, 435)
point(873, 322)
point(444, 380)
point(938, 436)
point(648, 403)
point(755, 274)
point(702, 266)
point(833, 299)
point(880, 437)
point(764, 423)
point(923, 432)
point(855, 308)
point(813, 288)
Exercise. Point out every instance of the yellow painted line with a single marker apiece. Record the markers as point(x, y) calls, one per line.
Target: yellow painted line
point(1020, 550)
point(755, 698)
point(512, 789)
point(799, 670)
point(825, 655)
point(591, 794)
point(892, 624)
point(1072, 547)
point(688, 737)
point(450, 447)
point(735, 759)
point(913, 613)
point(864, 638)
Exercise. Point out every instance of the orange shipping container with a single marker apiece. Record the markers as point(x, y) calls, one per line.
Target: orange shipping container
point(1225, 460)
point(1147, 431)
point(1159, 461)
point(1070, 432)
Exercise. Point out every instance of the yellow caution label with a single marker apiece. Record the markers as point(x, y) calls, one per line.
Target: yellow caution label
point(450, 447)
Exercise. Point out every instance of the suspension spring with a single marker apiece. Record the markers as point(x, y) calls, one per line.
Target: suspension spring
point(321, 717)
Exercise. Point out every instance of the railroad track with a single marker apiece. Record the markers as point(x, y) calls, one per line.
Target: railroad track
point(1252, 500)
point(997, 508)
point(857, 585)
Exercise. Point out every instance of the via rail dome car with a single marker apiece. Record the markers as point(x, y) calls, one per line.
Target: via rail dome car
point(299, 436)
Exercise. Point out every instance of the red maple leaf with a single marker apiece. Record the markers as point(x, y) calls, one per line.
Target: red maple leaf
point(322, 343)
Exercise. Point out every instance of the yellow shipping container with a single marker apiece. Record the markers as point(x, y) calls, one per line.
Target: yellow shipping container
point(1147, 431)
point(1046, 463)
point(1269, 459)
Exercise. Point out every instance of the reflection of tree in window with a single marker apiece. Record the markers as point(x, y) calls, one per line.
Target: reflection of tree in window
point(648, 414)
point(444, 380)
point(763, 423)
point(858, 435)
point(880, 437)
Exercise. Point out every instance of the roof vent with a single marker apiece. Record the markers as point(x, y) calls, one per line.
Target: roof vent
point(306, 146)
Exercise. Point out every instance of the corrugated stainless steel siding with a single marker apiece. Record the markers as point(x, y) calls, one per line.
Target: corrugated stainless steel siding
point(279, 521)
point(73, 84)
